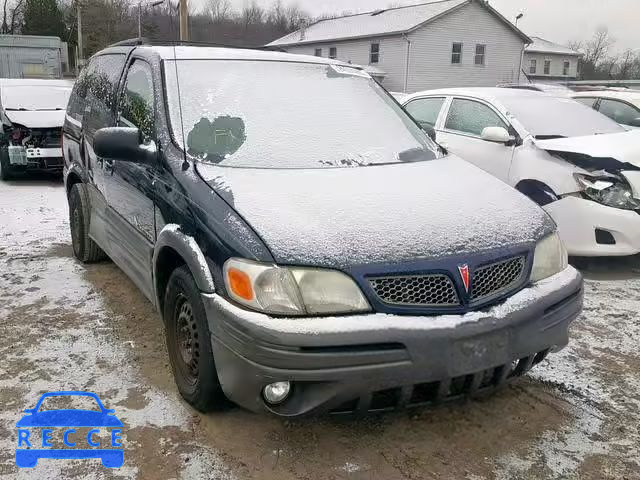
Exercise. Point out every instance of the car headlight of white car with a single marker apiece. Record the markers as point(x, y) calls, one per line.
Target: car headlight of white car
point(549, 258)
point(608, 190)
point(281, 290)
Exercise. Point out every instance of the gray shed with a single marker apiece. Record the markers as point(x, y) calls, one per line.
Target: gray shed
point(30, 56)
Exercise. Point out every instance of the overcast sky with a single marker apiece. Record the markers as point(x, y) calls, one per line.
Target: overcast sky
point(555, 20)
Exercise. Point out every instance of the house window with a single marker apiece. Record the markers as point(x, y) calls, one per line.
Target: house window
point(374, 54)
point(565, 67)
point(318, 52)
point(333, 52)
point(533, 66)
point(480, 51)
point(547, 67)
point(456, 53)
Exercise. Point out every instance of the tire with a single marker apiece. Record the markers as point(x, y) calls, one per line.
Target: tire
point(189, 344)
point(85, 249)
point(5, 169)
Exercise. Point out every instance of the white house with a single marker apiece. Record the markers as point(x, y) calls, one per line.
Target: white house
point(442, 43)
point(545, 60)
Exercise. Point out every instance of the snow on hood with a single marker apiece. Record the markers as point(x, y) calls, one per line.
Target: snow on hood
point(624, 146)
point(340, 217)
point(37, 119)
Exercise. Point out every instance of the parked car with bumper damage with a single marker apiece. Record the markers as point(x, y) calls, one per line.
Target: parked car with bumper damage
point(580, 166)
point(307, 263)
point(32, 114)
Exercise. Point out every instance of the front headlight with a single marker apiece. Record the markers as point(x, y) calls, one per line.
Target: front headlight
point(292, 290)
point(608, 190)
point(549, 258)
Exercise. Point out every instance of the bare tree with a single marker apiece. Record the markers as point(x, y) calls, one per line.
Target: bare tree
point(11, 16)
point(626, 64)
point(597, 49)
point(218, 10)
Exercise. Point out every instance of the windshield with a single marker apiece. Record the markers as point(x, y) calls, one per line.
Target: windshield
point(288, 115)
point(548, 117)
point(32, 97)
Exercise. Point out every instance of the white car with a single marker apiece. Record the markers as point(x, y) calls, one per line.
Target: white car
point(580, 166)
point(622, 106)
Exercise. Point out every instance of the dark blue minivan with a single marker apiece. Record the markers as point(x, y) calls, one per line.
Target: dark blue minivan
point(309, 247)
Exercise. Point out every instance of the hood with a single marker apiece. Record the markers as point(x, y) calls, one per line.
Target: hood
point(623, 147)
point(340, 217)
point(37, 119)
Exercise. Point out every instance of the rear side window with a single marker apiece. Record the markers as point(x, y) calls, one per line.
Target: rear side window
point(471, 117)
point(619, 111)
point(425, 110)
point(588, 101)
point(99, 87)
point(136, 105)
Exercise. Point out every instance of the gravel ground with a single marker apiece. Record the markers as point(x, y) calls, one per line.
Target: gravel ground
point(66, 326)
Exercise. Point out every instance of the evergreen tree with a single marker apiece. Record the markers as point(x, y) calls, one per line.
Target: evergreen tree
point(43, 17)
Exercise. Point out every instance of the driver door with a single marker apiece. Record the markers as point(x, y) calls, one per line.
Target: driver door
point(461, 133)
point(131, 186)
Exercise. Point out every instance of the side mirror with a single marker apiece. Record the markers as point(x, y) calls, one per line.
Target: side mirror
point(123, 143)
point(429, 130)
point(635, 122)
point(496, 134)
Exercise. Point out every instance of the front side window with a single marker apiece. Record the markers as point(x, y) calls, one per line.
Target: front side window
point(480, 53)
point(619, 111)
point(318, 52)
point(565, 67)
point(136, 103)
point(247, 113)
point(471, 117)
point(425, 110)
point(547, 67)
point(374, 55)
point(99, 88)
point(333, 52)
point(456, 53)
point(533, 66)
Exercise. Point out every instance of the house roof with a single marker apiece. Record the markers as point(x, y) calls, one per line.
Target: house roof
point(540, 45)
point(387, 21)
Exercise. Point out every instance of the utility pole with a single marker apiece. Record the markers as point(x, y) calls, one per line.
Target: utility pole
point(184, 21)
point(79, 59)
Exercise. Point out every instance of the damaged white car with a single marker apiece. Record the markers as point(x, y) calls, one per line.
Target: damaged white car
point(32, 113)
point(580, 166)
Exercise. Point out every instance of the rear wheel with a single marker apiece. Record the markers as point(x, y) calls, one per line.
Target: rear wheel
point(85, 249)
point(189, 343)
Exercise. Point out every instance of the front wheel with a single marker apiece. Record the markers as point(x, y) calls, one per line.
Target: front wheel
point(5, 168)
point(189, 344)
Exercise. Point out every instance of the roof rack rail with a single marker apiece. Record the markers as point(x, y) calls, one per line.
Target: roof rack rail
point(135, 42)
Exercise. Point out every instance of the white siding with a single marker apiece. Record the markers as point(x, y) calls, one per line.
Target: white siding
point(557, 62)
point(393, 52)
point(430, 60)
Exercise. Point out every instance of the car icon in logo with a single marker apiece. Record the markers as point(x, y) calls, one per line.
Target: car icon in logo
point(67, 420)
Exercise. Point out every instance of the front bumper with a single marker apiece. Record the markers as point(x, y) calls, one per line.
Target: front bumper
point(578, 219)
point(42, 159)
point(381, 362)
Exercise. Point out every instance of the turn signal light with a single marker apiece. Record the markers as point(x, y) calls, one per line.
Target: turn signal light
point(240, 283)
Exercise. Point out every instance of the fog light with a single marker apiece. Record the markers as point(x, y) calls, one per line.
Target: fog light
point(277, 392)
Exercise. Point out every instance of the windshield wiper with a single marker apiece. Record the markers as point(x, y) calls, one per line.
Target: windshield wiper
point(48, 109)
point(13, 109)
point(548, 137)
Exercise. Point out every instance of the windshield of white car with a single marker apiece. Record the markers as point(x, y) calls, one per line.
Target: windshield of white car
point(34, 97)
point(265, 114)
point(548, 117)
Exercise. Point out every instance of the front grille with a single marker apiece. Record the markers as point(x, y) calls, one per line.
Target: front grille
point(492, 280)
point(436, 290)
point(432, 393)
